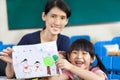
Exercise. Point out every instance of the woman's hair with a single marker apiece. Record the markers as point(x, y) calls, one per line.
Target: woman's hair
point(85, 45)
point(58, 3)
point(61, 4)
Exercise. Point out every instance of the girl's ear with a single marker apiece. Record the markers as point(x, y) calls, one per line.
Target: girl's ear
point(94, 61)
point(43, 16)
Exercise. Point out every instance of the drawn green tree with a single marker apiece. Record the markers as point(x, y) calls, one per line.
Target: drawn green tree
point(48, 61)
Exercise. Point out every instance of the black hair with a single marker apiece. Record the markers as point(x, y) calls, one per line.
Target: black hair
point(86, 45)
point(24, 60)
point(61, 4)
point(37, 62)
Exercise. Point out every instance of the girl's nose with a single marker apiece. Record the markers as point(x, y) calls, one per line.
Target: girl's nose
point(79, 55)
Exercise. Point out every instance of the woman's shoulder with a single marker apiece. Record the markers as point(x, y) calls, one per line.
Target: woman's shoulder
point(33, 33)
point(30, 38)
point(62, 36)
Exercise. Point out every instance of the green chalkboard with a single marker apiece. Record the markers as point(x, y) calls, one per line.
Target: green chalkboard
point(24, 14)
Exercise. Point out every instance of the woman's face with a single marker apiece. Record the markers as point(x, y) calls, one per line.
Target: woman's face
point(55, 19)
point(81, 59)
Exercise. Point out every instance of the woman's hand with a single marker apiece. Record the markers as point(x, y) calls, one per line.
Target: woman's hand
point(6, 55)
point(62, 54)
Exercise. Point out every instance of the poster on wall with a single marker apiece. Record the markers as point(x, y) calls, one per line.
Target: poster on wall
point(36, 60)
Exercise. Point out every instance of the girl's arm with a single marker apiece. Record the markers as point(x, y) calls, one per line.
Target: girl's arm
point(81, 73)
point(85, 74)
point(60, 76)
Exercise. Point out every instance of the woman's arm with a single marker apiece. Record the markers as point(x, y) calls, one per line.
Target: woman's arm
point(9, 71)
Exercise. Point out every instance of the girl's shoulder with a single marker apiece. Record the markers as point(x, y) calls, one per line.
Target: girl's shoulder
point(98, 70)
point(94, 69)
point(69, 74)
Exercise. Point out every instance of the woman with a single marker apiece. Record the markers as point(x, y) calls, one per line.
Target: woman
point(56, 15)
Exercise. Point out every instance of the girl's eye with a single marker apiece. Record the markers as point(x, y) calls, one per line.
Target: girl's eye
point(74, 52)
point(85, 52)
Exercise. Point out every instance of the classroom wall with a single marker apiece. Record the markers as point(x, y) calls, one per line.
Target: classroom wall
point(97, 32)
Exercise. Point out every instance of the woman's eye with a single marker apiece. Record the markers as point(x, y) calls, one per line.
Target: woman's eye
point(53, 16)
point(62, 18)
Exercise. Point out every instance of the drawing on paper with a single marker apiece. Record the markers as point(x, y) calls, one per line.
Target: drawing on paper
point(36, 60)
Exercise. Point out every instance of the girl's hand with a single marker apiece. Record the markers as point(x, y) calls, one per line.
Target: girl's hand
point(64, 64)
point(6, 55)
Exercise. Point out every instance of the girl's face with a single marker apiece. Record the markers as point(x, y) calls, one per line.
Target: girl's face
point(81, 59)
point(56, 19)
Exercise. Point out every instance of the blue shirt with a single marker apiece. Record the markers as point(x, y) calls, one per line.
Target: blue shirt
point(63, 42)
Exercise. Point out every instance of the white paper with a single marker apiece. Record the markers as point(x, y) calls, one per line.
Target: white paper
point(31, 61)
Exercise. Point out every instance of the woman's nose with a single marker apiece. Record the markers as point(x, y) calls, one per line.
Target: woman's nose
point(57, 21)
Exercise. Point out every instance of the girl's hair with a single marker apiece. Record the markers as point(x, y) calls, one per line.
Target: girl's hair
point(61, 4)
point(85, 45)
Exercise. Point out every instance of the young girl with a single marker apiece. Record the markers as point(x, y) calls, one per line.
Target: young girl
point(81, 57)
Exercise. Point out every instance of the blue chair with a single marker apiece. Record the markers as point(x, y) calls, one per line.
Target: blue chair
point(115, 77)
point(116, 64)
point(100, 49)
point(4, 46)
point(75, 37)
point(107, 61)
point(1, 46)
point(7, 45)
point(110, 62)
point(117, 40)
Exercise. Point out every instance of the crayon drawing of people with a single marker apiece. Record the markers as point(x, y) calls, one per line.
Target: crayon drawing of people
point(37, 66)
point(26, 67)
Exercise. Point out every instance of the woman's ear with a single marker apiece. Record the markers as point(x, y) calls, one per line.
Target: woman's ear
point(43, 16)
point(66, 21)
